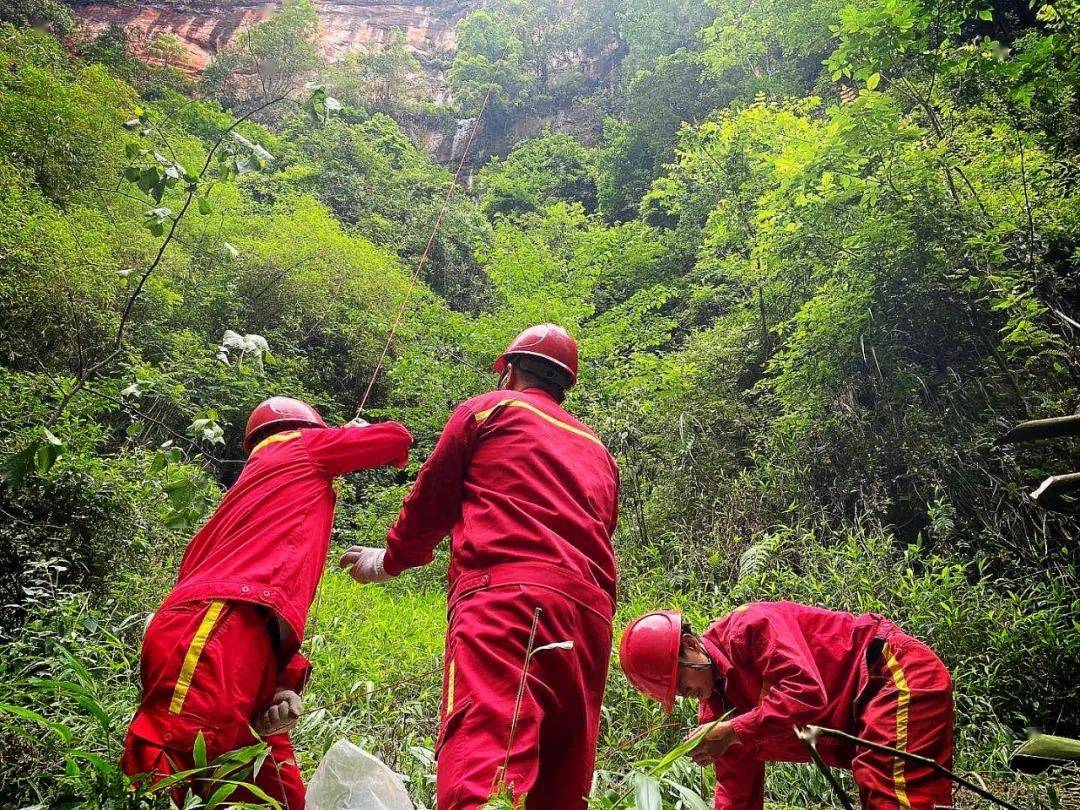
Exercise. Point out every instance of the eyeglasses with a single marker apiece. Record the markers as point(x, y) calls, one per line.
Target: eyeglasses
point(694, 664)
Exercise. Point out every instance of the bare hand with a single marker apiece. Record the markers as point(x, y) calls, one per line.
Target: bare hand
point(365, 564)
point(280, 716)
point(716, 741)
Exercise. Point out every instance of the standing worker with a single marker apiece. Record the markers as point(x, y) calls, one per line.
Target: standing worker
point(529, 496)
point(778, 665)
point(222, 653)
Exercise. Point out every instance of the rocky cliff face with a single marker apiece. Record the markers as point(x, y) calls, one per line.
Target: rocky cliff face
point(346, 25)
point(205, 28)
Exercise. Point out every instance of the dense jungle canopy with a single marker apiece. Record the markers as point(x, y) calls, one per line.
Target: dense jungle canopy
point(819, 255)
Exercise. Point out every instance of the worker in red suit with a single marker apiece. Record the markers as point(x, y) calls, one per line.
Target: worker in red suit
point(222, 653)
point(778, 665)
point(529, 497)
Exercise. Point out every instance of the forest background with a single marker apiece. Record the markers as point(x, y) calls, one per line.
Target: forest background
point(819, 254)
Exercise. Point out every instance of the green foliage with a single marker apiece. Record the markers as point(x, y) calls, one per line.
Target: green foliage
point(1010, 651)
point(772, 47)
point(896, 38)
point(51, 118)
point(652, 33)
point(536, 173)
point(644, 137)
point(371, 176)
point(45, 14)
point(488, 64)
point(79, 721)
point(113, 48)
point(1048, 746)
point(386, 79)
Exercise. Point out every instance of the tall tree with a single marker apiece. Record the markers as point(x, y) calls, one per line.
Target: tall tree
point(271, 57)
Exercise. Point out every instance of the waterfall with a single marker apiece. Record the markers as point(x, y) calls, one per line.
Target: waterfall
point(461, 133)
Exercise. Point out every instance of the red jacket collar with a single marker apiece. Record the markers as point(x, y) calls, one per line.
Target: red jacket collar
point(540, 392)
point(721, 665)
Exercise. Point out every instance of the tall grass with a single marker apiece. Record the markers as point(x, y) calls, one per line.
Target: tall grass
point(377, 653)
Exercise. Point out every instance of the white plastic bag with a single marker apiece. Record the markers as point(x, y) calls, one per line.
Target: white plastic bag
point(349, 778)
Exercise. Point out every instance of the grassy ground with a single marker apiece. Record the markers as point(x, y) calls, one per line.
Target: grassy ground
point(377, 653)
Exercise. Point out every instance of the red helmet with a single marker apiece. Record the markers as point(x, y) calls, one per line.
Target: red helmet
point(282, 412)
point(649, 655)
point(546, 341)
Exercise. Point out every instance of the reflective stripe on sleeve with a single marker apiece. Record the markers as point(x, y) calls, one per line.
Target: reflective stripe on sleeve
point(191, 659)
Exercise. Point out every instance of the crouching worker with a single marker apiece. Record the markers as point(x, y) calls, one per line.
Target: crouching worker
point(221, 655)
point(776, 665)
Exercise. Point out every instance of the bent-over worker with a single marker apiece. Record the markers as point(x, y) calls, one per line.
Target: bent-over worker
point(529, 496)
point(222, 653)
point(777, 665)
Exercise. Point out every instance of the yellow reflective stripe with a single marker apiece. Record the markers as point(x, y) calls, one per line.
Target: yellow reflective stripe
point(274, 439)
point(903, 698)
point(191, 660)
point(766, 686)
point(450, 678)
point(517, 403)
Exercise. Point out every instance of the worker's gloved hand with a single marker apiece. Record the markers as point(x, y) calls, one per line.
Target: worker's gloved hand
point(365, 564)
point(358, 422)
point(716, 741)
point(280, 716)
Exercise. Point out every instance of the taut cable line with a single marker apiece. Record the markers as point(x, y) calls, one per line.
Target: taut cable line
point(414, 279)
point(430, 242)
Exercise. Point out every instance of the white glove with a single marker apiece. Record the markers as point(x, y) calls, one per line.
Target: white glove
point(365, 564)
point(280, 716)
point(358, 422)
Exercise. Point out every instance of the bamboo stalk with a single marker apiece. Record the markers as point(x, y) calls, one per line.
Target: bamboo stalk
point(1052, 428)
point(500, 777)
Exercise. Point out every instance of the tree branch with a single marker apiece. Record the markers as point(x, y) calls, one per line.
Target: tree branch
point(118, 342)
point(811, 733)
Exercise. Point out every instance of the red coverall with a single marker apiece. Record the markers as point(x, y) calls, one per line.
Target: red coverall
point(227, 636)
point(529, 496)
point(783, 664)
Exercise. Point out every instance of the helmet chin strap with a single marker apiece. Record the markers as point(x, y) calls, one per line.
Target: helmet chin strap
point(504, 377)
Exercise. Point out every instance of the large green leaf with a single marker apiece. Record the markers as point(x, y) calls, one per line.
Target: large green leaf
point(198, 753)
point(62, 731)
point(221, 794)
point(647, 793)
point(17, 465)
point(690, 799)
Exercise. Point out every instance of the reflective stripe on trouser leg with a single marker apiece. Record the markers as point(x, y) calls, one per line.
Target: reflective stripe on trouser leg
point(191, 659)
point(903, 699)
point(450, 688)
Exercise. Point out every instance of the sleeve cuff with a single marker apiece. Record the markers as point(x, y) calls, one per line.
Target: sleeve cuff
point(391, 564)
point(747, 728)
point(295, 675)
